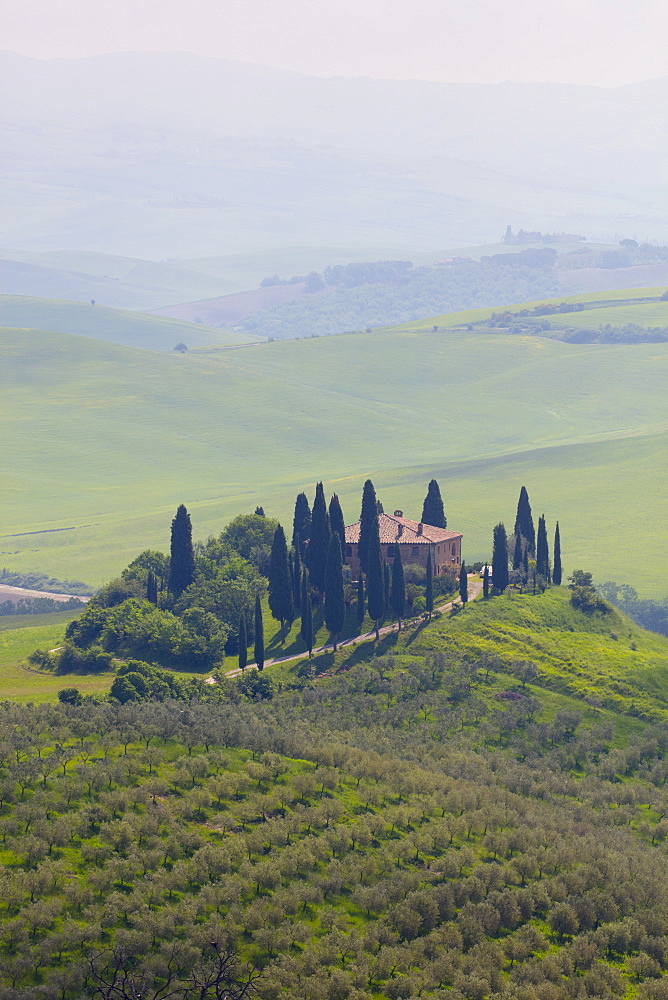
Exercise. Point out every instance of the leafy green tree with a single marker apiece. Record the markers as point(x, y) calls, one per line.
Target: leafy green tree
point(281, 584)
point(524, 521)
point(361, 602)
point(485, 581)
point(375, 580)
point(301, 523)
point(337, 524)
point(318, 545)
point(335, 605)
point(182, 559)
point(463, 584)
point(70, 696)
point(429, 588)
point(542, 551)
point(398, 591)
point(251, 535)
point(243, 642)
point(368, 524)
point(432, 509)
point(306, 631)
point(258, 651)
point(500, 559)
point(557, 571)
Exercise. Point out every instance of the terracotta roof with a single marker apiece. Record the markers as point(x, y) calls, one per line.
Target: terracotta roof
point(389, 525)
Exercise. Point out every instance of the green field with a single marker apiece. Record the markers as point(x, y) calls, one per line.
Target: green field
point(102, 441)
point(18, 681)
point(118, 326)
point(600, 308)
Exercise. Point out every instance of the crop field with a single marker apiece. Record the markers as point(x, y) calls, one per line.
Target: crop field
point(103, 441)
point(118, 326)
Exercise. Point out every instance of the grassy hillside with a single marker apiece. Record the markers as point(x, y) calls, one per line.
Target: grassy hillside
point(584, 427)
point(618, 306)
point(118, 326)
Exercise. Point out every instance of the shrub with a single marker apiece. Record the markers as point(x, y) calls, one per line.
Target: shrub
point(70, 696)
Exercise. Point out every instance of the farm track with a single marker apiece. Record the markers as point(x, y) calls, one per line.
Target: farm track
point(475, 589)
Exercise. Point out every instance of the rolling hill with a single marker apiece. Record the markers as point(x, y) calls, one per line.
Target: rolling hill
point(103, 441)
point(199, 157)
point(117, 326)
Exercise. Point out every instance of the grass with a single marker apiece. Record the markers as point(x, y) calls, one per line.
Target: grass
point(102, 441)
point(19, 682)
point(118, 326)
point(600, 308)
point(602, 658)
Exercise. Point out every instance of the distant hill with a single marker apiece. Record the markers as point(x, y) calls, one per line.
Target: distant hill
point(118, 326)
point(192, 157)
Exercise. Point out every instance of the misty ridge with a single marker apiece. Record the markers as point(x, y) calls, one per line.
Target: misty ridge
point(178, 156)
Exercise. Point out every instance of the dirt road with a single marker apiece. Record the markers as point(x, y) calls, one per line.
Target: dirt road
point(475, 589)
point(16, 594)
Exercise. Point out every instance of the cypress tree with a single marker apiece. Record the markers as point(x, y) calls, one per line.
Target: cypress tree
point(524, 521)
point(258, 651)
point(296, 576)
point(517, 553)
point(182, 559)
point(432, 509)
point(301, 523)
point(152, 588)
point(429, 588)
point(556, 574)
point(386, 585)
point(281, 602)
point(542, 551)
point(485, 581)
point(398, 595)
point(360, 600)
point(243, 642)
point(525, 565)
point(318, 546)
point(337, 523)
point(463, 584)
point(335, 604)
point(368, 524)
point(306, 631)
point(375, 583)
point(500, 559)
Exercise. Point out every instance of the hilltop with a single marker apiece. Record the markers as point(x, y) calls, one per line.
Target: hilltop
point(116, 326)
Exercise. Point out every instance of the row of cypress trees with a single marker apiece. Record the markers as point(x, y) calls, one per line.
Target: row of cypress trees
point(530, 550)
point(296, 572)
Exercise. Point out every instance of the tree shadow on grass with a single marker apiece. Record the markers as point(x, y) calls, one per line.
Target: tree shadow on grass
point(365, 651)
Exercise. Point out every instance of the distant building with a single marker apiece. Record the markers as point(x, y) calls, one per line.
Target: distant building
point(418, 542)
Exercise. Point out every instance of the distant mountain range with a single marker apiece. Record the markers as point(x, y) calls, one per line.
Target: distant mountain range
point(155, 155)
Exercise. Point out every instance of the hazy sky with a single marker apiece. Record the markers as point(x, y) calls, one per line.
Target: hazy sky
point(603, 42)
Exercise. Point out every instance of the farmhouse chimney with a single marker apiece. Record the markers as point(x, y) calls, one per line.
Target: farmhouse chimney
point(419, 528)
point(398, 513)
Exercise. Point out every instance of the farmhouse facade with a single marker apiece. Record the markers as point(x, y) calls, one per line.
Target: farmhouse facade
point(418, 542)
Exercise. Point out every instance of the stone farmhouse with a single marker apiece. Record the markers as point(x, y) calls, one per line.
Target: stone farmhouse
point(418, 543)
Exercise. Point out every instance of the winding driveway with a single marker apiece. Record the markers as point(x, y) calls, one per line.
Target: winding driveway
point(475, 589)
